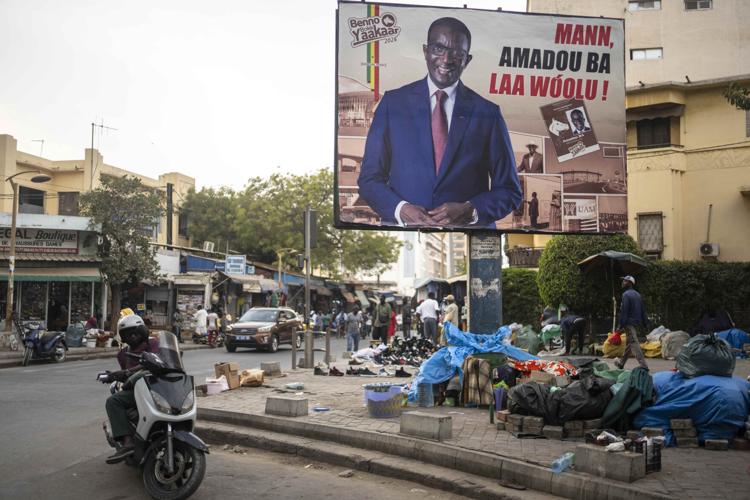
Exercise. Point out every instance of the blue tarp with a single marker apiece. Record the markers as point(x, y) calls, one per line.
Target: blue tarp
point(446, 362)
point(735, 338)
point(718, 405)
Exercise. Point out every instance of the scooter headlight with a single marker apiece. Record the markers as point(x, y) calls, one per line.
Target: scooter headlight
point(161, 403)
point(187, 405)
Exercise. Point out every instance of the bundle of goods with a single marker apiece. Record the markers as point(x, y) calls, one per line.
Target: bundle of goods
point(706, 355)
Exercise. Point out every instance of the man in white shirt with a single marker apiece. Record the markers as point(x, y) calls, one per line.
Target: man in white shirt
point(200, 318)
point(428, 314)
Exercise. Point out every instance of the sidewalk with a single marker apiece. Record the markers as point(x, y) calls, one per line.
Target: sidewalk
point(686, 473)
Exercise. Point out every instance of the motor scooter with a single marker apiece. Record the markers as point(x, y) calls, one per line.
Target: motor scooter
point(171, 457)
point(40, 344)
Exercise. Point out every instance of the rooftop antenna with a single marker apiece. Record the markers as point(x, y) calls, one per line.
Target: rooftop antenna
point(41, 145)
point(102, 127)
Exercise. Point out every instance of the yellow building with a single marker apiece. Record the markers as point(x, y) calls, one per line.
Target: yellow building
point(688, 148)
point(57, 277)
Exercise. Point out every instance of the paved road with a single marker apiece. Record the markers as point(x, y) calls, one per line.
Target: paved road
point(257, 474)
point(51, 414)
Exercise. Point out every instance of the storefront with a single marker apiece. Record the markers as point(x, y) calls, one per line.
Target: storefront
point(191, 291)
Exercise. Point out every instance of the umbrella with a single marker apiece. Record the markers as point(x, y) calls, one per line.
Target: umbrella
point(617, 264)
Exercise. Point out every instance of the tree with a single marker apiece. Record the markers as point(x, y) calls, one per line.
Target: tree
point(211, 216)
point(561, 282)
point(127, 211)
point(737, 95)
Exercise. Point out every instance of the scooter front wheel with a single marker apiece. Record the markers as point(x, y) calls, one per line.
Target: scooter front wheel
point(189, 469)
point(60, 354)
point(26, 356)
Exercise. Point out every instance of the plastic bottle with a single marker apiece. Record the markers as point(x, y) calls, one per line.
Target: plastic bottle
point(562, 463)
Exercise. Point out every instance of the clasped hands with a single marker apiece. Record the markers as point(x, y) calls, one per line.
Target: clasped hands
point(445, 215)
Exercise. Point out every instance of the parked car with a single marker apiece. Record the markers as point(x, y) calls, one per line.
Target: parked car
point(265, 328)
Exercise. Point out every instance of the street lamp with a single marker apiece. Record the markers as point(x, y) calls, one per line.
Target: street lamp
point(280, 253)
point(39, 178)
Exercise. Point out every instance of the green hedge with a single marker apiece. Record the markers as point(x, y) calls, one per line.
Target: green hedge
point(521, 301)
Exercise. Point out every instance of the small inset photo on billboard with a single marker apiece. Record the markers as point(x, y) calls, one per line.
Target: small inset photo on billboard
point(540, 208)
point(613, 214)
point(528, 151)
point(580, 214)
point(570, 129)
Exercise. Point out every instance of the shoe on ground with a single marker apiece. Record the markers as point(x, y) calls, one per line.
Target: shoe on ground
point(120, 455)
point(355, 361)
point(384, 373)
point(334, 372)
point(319, 371)
point(366, 372)
point(353, 371)
point(402, 373)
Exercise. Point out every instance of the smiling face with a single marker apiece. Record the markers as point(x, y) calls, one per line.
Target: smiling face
point(446, 54)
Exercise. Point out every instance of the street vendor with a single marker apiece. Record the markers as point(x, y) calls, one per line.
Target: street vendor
point(632, 318)
point(572, 324)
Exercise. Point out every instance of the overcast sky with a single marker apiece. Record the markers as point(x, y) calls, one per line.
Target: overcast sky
point(220, 90)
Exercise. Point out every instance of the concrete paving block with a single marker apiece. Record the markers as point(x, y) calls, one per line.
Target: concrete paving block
point(271, 368)
point(533, 422)
point(500, 425)
point(681, 423)
point(687, 442)
point(573, 429)
point(740, 444)
point(511, 427)
point(652, 431)
point(685, 433)
point(553, 432)
point(622, 466)
point(716, 444)
point(592, 424)
point(286, 406)
point(426, 425)
point(515, 419)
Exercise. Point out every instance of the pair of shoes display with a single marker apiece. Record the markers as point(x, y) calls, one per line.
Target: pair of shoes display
point(334, 372)
point(402, 373)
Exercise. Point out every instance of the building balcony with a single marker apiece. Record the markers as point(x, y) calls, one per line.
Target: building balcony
point(524, 256)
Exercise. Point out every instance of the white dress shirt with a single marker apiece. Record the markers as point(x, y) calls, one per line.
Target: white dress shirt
point(428, 309)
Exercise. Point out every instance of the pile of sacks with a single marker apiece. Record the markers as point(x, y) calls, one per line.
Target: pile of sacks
point(661, 342)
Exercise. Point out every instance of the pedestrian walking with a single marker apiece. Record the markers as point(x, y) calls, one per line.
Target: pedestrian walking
point(428, 314)
point(381, 321)
point(353, 322)
point(406, 317)
point(392, 326)
point(200, 323)
point(632, 318)
point(177, 325)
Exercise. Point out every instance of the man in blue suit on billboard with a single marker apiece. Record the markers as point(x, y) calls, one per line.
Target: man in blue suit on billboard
point(437, 153)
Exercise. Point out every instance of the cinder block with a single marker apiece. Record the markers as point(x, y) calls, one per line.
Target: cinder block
point(502, 415)
point(685, 433)
point(633, 435)
point(271, 368)
point(500, 425)
point(687, 442)
point(542, 377)
point(426, 425)
point(511, 427)
point(652, 431)
point(589, 425)
point(286, 406)
point(625, 466)
point(515, 419)
point(681, 423)
point(740, 444)
point(533, 422)
point(717, 444)
point(573, 429)
point(553, 432)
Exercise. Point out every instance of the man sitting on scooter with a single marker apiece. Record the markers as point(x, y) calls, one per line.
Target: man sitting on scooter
point(134, 333)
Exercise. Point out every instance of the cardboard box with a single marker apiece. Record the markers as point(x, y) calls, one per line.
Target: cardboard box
point(231, 371)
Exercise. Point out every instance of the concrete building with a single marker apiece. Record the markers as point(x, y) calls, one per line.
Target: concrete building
point(688, 148)
point(57, 277)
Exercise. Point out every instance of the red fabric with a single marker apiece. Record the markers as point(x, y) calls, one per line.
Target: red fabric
point(615, 339)
point(553, 367)
point(392, 325)
point(439, 128)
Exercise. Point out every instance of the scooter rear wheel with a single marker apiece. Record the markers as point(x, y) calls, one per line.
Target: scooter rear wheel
point(190, 467)
point(26, 356)
point(60, 353)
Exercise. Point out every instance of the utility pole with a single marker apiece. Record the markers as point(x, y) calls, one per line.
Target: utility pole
point(309, 337)
point(101, 127)
point(485, 282)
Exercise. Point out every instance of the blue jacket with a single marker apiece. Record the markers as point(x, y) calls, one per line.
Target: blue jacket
point(566, 323)
point(478, 164)
point(632, 311)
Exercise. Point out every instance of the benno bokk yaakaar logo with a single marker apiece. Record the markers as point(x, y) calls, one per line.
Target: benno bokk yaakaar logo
point(372, 29)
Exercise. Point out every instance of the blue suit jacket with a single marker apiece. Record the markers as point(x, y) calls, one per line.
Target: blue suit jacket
point(478, 164)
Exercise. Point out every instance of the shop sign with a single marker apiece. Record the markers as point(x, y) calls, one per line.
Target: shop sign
point(235, 264)
point(41, 240)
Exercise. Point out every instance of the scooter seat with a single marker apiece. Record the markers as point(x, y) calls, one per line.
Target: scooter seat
point(48, 336)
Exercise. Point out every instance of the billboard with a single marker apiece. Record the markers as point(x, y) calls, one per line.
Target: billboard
point(470, 119)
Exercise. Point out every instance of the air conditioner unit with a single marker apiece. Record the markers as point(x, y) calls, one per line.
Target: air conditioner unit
point(709, 250)
point(208, 246)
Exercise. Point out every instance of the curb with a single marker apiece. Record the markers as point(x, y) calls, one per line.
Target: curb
point(366, 461)
point(15, 361)
point(535, 477)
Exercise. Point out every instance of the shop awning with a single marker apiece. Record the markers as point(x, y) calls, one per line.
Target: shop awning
point(321, 290)
point(348, 296)
point(362, 298)
point(455, 279)
point(89, 274)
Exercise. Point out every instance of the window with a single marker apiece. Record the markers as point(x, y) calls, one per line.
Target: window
point(634, 5)
point(650, 234)
point(182, 225)
point(645, 54)
point(30, 201)
point(698, 4)
point(653, 133)
point(67, 203)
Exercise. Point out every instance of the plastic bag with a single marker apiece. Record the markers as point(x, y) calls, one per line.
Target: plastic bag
point(615, 339)
point(657, 333)
point(705, 355)
point(251, 378)
point(651, 349)
point(528, 340)
point(529, 398)
point(613, 350)
point(672, 342)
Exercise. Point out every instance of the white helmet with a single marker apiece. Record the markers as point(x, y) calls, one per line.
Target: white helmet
point(132, 330)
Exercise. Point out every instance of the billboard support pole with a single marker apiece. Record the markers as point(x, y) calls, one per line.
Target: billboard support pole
point(309, 336)
point(485, 282)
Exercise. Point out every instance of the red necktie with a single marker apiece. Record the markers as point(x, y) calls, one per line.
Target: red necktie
point(439, 128)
